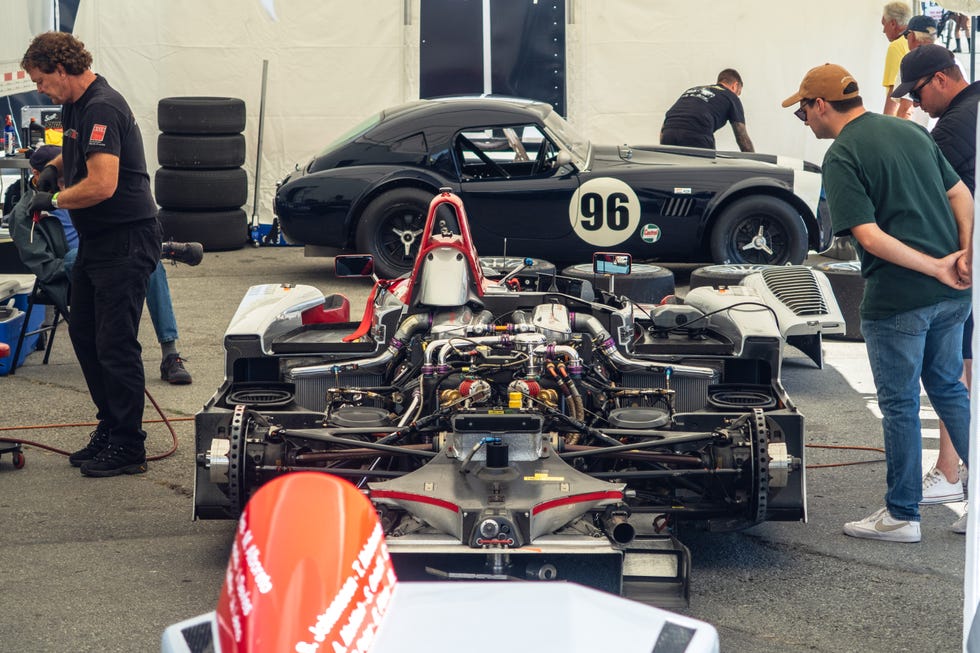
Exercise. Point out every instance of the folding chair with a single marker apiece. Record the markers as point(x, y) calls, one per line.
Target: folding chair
point(39, 298)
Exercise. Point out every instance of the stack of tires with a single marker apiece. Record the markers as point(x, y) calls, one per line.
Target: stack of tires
point(201, 186)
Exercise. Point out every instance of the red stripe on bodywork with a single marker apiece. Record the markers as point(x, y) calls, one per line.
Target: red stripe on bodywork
point(576, 498)
point(418, 498)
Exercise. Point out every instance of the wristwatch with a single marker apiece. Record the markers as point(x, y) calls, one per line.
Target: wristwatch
point(54, 200)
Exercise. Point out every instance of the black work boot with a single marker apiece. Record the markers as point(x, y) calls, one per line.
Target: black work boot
point(98, 440)
point(189, 253)
point(116, 459)
point(172, 370)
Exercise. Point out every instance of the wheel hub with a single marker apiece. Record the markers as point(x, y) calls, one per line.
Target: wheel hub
point(407, 238)
point(759, 242)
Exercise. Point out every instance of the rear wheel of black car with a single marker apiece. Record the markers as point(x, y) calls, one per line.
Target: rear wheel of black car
point(761, 230)
point(647, 284)
point(390, 229)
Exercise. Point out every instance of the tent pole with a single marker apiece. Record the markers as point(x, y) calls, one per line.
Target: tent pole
point(258, 157)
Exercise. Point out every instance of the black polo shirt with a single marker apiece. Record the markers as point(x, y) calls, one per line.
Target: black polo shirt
point(101, 121)
point(701, 111)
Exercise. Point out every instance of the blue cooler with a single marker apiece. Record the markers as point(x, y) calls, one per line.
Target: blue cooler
point(12, 312)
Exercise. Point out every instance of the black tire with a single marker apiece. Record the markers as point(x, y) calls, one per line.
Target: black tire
point(724, 275)
point(191, 152)
point(742, 222)
point(647, 284)
point(401, 209)
point(848, 285)
point(200, 190)
point(495, 267)
point(201, 115)
point(215, 230)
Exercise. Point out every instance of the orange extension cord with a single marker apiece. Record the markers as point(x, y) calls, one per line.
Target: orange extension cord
point(163, 418)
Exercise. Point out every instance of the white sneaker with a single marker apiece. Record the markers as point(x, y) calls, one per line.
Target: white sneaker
point(880, 525)
point(964, 480)
point(936, 489)
point(959, 526)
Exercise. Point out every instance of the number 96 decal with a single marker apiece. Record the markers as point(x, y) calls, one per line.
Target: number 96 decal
point(604, 211)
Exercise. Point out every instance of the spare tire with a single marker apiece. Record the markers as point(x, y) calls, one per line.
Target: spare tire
point(215, 230)
point(530, 278)
point(646, 284)
point(201, 115)
point(848, 286)
point(495, 267)
point(724, 274)
point(200, 190)
point(192, 151)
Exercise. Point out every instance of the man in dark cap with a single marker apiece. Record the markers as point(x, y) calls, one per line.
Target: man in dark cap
point(911, 219)
point(934, 81)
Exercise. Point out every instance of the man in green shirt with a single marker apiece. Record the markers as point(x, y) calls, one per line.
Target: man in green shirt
point(890, 188)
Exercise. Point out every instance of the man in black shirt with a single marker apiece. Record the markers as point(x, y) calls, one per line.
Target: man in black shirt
point(703, 110)
point(933, 81)
point(107, 194)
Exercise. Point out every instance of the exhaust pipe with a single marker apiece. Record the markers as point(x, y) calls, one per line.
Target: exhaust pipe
point(617, 527)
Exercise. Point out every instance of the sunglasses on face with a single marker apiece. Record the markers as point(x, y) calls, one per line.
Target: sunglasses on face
point(801, 112)
point(916, 93)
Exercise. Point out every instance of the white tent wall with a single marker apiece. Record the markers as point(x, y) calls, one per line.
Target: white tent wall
point(332, 62)
point(628, 60)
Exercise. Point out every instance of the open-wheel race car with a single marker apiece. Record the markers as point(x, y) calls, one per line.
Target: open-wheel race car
point(522, 427)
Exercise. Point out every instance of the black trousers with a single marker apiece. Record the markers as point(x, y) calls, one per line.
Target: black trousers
point(108, 289)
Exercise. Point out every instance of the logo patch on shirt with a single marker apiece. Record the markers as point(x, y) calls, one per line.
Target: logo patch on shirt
point(98, 133)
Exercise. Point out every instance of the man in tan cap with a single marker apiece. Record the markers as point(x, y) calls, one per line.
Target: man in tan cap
point(890, 188)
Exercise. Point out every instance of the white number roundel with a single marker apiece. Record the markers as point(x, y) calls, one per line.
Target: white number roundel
point(604, 211)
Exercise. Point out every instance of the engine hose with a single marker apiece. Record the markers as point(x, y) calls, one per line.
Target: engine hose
point(550, 367)
point(163, 418)
point(578, 404)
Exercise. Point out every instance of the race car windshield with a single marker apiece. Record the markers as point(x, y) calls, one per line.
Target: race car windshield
point(569, 139)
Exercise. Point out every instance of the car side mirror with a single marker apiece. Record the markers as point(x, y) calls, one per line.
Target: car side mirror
point(563, 158)
point(611, 263)
point(354, 265)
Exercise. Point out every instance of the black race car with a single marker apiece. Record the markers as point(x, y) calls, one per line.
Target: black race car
point(535, 187)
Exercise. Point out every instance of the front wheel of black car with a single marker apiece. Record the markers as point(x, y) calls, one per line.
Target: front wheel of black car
point(761, 230)
point(390, 229)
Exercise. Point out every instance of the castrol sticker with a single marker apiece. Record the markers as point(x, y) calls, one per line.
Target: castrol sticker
point(650, 233)
point(604, 211)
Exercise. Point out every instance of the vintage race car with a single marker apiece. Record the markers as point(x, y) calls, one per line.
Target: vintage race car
point(534, 187)
point(519, 427)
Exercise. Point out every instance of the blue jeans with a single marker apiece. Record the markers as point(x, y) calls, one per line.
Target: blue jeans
point(158, 300)
point(924, 343)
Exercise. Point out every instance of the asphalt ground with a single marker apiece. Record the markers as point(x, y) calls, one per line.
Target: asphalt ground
point(106, 564)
